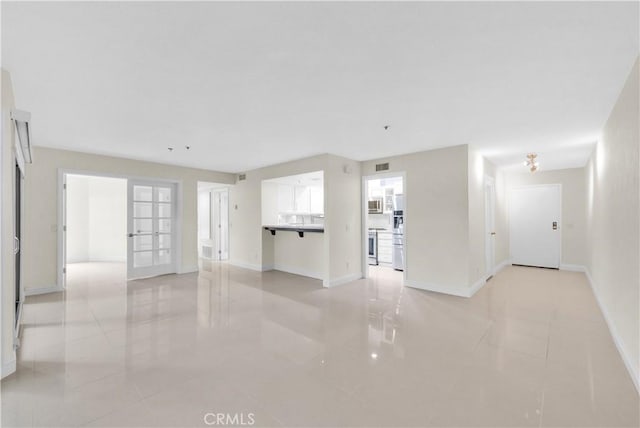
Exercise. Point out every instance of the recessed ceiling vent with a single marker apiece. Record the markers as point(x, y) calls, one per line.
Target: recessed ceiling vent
point(382, 167)
point(242, 177)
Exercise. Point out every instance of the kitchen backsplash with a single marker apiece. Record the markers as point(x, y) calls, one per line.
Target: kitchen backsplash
point(300, 219)
point(380, 220)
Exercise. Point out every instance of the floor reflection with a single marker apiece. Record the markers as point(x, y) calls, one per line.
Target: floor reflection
point(163, 351)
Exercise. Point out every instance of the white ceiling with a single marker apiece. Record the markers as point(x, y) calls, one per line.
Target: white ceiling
point(253, 84)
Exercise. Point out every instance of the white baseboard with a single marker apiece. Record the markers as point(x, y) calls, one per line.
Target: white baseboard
point(614, 334)
point(188, 269)
point(297, 271)
point(249, 266)
point(452, 290)
point(572, 268)
point(342, 280)
point(42, 290)
point(477, 286)
point(456, 290)
point(8, 367)
point(503, 264)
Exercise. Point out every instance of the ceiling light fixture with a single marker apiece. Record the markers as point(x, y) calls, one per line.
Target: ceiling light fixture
point(531, 162)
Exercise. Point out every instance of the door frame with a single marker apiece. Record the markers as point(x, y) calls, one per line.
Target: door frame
point(489, 225)
point(365, 213)
point(62, 216)
point(560, 218)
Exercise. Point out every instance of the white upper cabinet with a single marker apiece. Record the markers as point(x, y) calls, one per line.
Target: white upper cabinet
point(316, 196)
point(285, 197)
point(302, 200)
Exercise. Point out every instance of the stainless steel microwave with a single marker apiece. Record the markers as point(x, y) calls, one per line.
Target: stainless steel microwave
point(375, 206)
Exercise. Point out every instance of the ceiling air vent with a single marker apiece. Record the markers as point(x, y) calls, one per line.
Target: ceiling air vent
point(382, 167)
point(242, 177)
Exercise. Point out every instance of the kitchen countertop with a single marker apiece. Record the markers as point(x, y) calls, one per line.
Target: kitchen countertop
point(294, 228)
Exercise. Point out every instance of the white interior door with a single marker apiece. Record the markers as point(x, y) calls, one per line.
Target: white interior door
point(534, 218)
point(490, 230)
point(220, 220)
point(151, 226)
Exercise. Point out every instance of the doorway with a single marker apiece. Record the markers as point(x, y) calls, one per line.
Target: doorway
point(96, 224)
point(213, 221)
point(384, 215)
point(129, 222)
point(534, 225)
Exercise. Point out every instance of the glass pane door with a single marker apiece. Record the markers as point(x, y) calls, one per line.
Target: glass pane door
point(151, 229)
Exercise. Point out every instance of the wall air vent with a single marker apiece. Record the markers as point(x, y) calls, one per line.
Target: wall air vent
point(242, 177)
point(382, 167)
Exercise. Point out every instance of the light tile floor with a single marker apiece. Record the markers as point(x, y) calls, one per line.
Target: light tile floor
point(529, 349)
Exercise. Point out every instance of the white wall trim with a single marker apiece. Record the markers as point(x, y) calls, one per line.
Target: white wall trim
point(342, 280)
point(477, 286)
point(452, 290)
point(188, 269)
point(297, 271)
point(503, 264)
point(9, 367)
point(573, 268)
point(43, 290)
point(249, 266)
point(455, 290)
point(614, 334)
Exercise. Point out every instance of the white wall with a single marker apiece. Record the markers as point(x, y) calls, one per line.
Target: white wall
point(437, 217)
point(479, 170)
point(253, 247)
point(108, 220)
point(41, 218)
point(301, 256)
point(573, 223)
point(96, 219)
point(77, 219)
point(613, 192)
point(501, 219)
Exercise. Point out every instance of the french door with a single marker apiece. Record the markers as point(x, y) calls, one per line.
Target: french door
point(151, 226)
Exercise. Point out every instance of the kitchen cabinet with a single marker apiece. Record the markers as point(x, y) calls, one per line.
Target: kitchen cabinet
point(385, 247)
point(300, 199)
point(388, 200)
point(316, 196)
point(285, 198)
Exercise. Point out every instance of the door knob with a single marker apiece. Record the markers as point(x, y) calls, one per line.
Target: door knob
point(130, 235)
point(493, 234)
point(555, 225)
